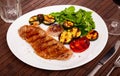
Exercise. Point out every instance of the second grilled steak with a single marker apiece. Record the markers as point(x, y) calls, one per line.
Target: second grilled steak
point(44, 45)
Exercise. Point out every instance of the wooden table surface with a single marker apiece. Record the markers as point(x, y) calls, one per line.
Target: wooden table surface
point(11, 66)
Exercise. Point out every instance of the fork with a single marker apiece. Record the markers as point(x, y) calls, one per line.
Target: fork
point(116, 64)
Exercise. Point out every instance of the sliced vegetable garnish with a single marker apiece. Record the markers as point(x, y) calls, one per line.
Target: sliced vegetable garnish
point(48, 19)
point(65, 37)
point(92, 35)
point(40, 17)
point(68, 24)
point(34, 20)
point(80, 44)
point(75, 32)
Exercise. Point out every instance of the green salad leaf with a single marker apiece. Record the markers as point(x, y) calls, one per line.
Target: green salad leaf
point(82, 19)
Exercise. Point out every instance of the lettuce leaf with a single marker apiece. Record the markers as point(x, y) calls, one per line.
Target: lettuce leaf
point(81, 18)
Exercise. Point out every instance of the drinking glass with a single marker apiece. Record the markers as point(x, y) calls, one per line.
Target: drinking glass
point(10, 10)
point(114, 24)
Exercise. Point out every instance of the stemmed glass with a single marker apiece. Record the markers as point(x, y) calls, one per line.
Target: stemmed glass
point(114, 24)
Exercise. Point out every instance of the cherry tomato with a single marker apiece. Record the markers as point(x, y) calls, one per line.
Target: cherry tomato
point(80, 44)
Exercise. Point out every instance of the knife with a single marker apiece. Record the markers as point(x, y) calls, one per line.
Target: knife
point(106, 58)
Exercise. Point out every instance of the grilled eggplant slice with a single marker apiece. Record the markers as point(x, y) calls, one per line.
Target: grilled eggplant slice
point(68, 24)
point(48, 19)
point(65, 37)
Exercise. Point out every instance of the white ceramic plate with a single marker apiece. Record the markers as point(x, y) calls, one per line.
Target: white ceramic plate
point(23, 51)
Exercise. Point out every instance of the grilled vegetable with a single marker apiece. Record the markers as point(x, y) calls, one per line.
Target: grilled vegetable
point(55, 29)
point(48, 19)
point(40, 17)
point(68, 24)
point(75, 32)
point(80, 44)
point(34, 20)
point(65, 37)
point(92, 35)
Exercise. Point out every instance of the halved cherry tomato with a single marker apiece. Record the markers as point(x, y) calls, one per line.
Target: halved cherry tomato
point(80, 44)
point(92, 35)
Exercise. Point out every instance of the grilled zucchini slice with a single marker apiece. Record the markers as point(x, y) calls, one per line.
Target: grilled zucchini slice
point(34, 20)
point(68, 24)
point(92, 35)
point(40, 18)
point(65, 37)
point(75, 32)
point(48, 19)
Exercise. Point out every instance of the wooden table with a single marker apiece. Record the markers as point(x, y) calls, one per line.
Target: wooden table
point(11, 66)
